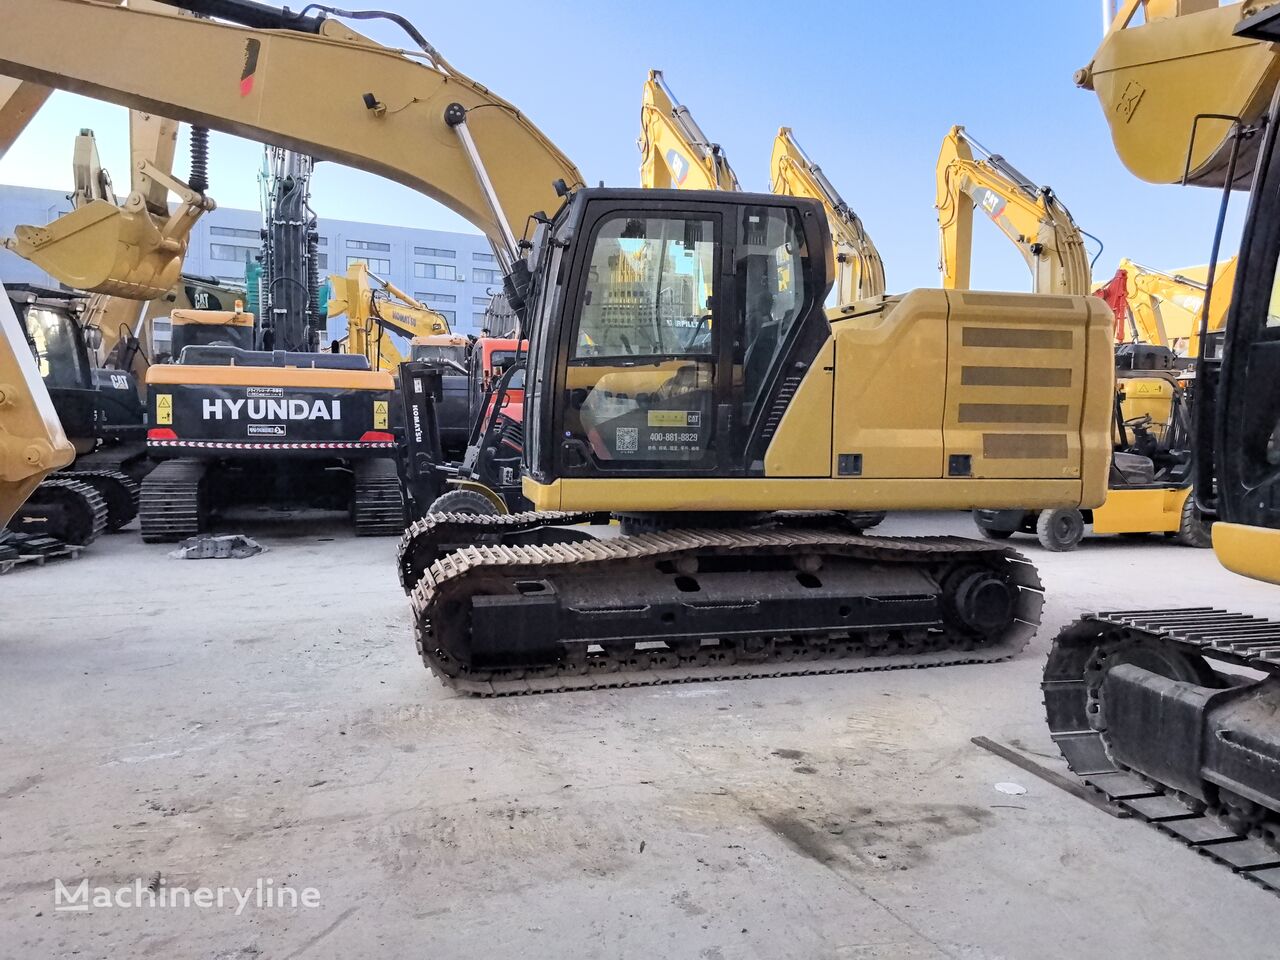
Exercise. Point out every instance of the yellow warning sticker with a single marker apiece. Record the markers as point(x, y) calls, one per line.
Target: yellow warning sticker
point(164, 408)
point(668, 418)
point(379, 414)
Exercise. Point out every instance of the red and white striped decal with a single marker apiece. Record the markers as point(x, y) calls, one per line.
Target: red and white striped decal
point(229, 445)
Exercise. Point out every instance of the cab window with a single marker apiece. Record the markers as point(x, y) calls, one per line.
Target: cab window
point(770, 271)
point(641, 374)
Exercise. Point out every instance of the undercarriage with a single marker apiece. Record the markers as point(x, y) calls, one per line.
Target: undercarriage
point(535, 604)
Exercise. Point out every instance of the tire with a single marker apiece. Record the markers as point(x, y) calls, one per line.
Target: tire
point(464, 501)
point(1060, 530)
point(1193, 530)
point(990, 533)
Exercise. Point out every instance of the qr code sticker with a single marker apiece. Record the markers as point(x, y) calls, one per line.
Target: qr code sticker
point(627, 439)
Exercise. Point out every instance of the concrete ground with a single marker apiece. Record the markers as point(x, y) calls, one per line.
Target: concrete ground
point(218, 723)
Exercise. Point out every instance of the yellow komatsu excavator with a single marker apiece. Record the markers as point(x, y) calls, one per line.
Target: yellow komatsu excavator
point(682, 373)
point(1031, 217)
point(1172, 712)
point(375, 308)
point(1149, 488)
point(859, 269)
point(1156, 307)
point(32, 444)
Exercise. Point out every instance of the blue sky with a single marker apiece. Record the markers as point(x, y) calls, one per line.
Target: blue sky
point(869, 88)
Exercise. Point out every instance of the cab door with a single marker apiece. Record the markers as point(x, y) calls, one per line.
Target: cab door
point(641, 388)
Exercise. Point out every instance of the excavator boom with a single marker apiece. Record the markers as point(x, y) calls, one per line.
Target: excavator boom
point(859, 269)
point(1030, 216)
point(331, 94)
point(674, 152)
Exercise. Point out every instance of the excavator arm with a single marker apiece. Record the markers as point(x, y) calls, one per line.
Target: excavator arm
point(306, 84)
point(674, 152)
point(1030, 216)
point(859, 269)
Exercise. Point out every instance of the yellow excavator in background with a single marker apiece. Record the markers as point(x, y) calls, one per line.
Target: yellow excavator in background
point(1164, 309)
point(1149, 489)
point(32, 444)
point(1031, 217)
point(1171, 712)
point(859, 269)
point(674, 152)
point(682, 373)
point(376, 308)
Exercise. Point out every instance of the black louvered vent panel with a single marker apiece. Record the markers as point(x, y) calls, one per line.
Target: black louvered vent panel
point(780, 404)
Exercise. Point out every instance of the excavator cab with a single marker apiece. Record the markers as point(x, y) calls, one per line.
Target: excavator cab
point(670, 333)
point(1246, 402)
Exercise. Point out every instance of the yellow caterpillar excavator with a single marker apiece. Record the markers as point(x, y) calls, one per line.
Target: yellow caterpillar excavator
point(1171, 712)
point(1149, 487)
point(1031, 217)
point(675, 152)
point(682, 373)
point(859, 269)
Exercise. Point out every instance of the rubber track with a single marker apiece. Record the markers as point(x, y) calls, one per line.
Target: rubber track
point(171, 507)
point(1204, 631)
point(96, 507)
point(378, 506)
point(789, 656)
point(125, 503)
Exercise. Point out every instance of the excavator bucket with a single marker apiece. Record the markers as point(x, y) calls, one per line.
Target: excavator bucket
point(1162, 65)
point(32, 443)
point(102, 248)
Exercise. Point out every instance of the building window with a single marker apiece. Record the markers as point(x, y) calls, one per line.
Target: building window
point(434, 252)
point(484, 258)
point(368, 245)
point(480, 301)
point(227, 251)
point(373, 263)
point(236, 232)
point(485, 276)
point(322, 241)
point(449, 315)
point(322, 261)
point(435, 271)
point(435, 298)
point(478, 320)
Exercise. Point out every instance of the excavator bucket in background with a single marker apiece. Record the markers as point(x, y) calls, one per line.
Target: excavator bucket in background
point(32, 443)
point(134, 250)
point(1162, 64)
